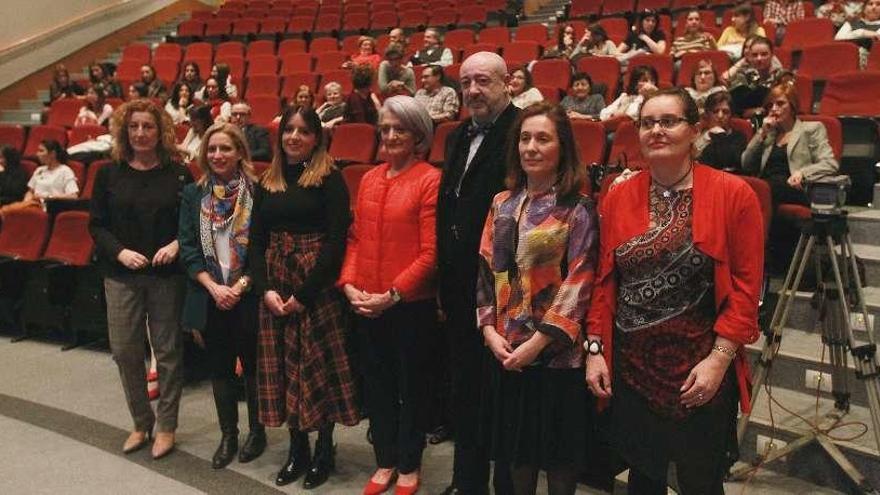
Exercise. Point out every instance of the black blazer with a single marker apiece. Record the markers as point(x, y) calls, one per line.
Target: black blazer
point(258, 142)
point(460, 218)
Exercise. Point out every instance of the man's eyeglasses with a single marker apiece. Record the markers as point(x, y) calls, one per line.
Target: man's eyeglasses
point(666, 123)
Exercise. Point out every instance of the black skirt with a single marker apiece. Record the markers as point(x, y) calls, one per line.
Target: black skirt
point(541, 417)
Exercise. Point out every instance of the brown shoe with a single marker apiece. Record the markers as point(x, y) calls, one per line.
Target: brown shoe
point(163, 445)
point(136, 440)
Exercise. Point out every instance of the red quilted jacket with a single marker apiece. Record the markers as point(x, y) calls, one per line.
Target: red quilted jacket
point(392, 242)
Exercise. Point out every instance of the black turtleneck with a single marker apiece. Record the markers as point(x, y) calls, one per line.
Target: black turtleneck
point(298, 210)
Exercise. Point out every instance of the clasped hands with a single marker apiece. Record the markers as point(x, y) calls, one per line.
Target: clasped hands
point(279, 307)
point(514, 359)
point(134, 260)
point(367, 304)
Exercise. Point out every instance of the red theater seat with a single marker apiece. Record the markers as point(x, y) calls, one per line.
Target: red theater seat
point(70, 243)
point(354, 143)
point(24, 234)
point(352, 175)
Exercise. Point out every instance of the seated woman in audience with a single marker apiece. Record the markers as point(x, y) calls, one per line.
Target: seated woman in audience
point(179, 103)
point(192, 77)
point(394, 77)
point(840, 11)
point(694, 39)
point(297, 245)
point(304, 97)
point(538, 254)
point(62, 86)
point(332, 111)
point(200, 120)
point(646, 37)
point(704, 82)
point(581, 103)
point(13, 178)
point(134, 220)
point(642, 81)
point(366, 54)
point(522, 93)
point(220, 308)
point(217, 100)
point(720, 145)
point(864, 30)
point(674, 302)
point(96, 110)
point(362, 105)
point(394, 229)
point(565, 43)
point(155, 87)
point(786, 151)
point(101, 77)
point(743, 25)
point(781, 13)
point(223, 73)
point(753, 78)
point(594, 43)
point(51, 180)
point(136, 91)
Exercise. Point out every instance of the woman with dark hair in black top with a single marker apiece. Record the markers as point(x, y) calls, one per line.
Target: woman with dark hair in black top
point(13, 178)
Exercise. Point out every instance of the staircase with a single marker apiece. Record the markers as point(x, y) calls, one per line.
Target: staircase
point(800, 355)
point(548, 13)
point(29, 110)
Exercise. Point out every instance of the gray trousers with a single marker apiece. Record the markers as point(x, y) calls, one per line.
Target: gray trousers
point(136, 303)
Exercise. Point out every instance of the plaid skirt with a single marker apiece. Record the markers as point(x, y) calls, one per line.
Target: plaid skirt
point(304, 371)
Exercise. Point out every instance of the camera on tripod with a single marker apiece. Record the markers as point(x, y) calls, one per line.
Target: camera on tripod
point(828, 194)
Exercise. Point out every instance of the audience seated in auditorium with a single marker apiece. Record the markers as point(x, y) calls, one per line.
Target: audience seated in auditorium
point(753, 78)
point(179, 103)
point(51, 180)
point(102, 76)
point(565, 43)
point(13, 178)
point(332, 111)
point(95, 109)
point(645, 37)
point(433, 52)
point(694, 39)
point(743, 25)
point(217, 100)
point(221, 72)
point(720, 145)
point(642, 80)
point(257, 137)
point(200, 119)
point(581, 102)
point(362, 104)
point(62, 86)
point(155, 87)
point(781, 13)
point(192, 77)
point(398, 36)
point(840, 11)
point(366, 54)
point(522, 92)
point(865, 30)
point(439, 100)
point(704, 82)
point(394, 77)
point(595, 42)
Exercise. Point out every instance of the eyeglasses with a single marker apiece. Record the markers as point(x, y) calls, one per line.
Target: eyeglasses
point(666, 123)
point(386, 130)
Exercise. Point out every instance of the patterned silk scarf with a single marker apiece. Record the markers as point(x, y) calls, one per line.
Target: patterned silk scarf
point(226, 206)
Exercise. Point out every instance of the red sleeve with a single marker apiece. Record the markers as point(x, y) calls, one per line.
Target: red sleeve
point(423, 267)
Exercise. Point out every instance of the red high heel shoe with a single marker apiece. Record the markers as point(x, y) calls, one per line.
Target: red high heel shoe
point(406, 490)
point(374, 488)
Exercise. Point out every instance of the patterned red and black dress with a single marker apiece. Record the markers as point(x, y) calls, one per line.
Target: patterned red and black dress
point(663, 328)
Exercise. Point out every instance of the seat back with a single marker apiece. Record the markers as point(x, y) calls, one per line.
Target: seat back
point(91, 173)
point(762, 190)
point(41, 132)
point(834, 130)
point(354, 143)
point(63, 112)
point(24, 234)
point(806, 32)
point(605, 70)
point(826, 60)
point(852, 93)
point(590, 139)
point(626, 144)
point(438, 146)
point(352, 176)
point(83, 133)
point(12, 135)
point(552, 72)
point(70, 242)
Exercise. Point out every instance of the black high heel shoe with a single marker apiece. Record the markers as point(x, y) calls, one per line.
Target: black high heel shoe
point(298, 459)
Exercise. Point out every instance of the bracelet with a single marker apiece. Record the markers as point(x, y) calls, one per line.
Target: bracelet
point(724, 350)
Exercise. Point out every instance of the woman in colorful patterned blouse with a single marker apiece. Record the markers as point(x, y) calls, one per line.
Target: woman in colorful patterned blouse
point(676, 293)
point(538, 254)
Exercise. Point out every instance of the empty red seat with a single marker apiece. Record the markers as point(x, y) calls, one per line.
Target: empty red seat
point(191, 28)
point(520, 52)
point(200, 50)
point(262, 65)
point(585, 8)
point(552, 72)
point(321, 45)
point(24, 234)
point(354, 143)
point(617, 28)
point(230, 48)
point(244, 27)
point(261, 48)
point(70, 243)
point(352, 175)
point(355, 22)
point(327, 61)
point(617, 7)
point(12, 135)
point(590, 139)
point(301, 24)
point(296, 62)
point(472, 14)
point(272, 26)
point(438, 146)
point(443, 17)
point(625, 147)
point(167, 70)
point(550, 93)
point(218, 27)
point(823, 61)
point(264, 108)
point(263, 85)
point(412, 19)
point(851, 93)
point(806, 32)
point(458, 38)
point(532, 32)
point(290, 46)
point(327, 23)
point(383, 20)
point(495, 35)
point(82, 133)
point(171, 51)
point(90, 177)
point(137, 52)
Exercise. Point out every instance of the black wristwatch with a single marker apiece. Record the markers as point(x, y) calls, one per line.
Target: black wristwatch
point(594, 347)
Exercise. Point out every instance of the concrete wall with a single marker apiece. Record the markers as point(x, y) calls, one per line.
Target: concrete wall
point(36, 33)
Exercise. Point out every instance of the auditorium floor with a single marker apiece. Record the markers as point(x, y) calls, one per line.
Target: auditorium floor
point(63, 421)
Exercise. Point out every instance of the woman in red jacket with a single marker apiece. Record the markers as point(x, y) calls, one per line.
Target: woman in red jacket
point(680, 262)
point(388, 276)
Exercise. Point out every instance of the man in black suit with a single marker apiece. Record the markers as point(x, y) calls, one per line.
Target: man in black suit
point(473, 174)
point(257, 137)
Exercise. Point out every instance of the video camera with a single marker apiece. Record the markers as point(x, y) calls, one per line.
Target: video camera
point(828, 194)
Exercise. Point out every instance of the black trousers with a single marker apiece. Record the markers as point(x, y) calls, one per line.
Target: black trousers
point(394, 352)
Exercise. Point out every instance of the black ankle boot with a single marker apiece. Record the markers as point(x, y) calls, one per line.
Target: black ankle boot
point(297, 459)
point(225, 451)
point(253, 447)
point(323, 462)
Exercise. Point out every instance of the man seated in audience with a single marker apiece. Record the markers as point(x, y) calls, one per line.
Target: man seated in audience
point(394, 78)
point(257, 136)
point(434, 52)
point(397, 36)
point(440, 101)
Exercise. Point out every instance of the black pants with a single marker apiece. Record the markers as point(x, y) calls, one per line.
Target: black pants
point(692, 480)
point(784, 232)
point(394, 352)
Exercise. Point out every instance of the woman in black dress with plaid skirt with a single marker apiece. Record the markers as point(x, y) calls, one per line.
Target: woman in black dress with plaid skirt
point(301, 218)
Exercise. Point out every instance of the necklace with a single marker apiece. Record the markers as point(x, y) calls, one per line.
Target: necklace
point(667, 190)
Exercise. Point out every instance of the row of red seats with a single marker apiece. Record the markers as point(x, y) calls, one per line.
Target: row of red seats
point(25, 236)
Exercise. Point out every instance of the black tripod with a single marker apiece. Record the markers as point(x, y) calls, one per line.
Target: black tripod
point(825, 239)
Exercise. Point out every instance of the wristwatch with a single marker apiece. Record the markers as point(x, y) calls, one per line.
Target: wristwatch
point(245, 285)
point(594, 347)
point(395, 296)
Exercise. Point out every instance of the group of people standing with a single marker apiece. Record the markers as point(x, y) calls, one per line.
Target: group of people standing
point(532, 283)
